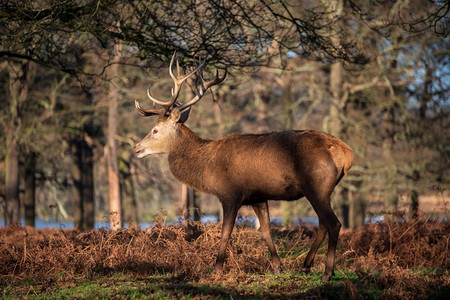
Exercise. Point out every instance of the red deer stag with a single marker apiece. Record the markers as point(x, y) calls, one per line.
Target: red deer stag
point(250, 169)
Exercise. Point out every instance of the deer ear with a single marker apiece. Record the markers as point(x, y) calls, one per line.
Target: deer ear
point(185, 114)
point(175, 115)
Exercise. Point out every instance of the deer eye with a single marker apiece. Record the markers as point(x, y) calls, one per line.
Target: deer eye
point(155, 131)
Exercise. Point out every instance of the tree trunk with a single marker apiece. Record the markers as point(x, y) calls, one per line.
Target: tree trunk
point(185, 202)
point(18, 90)
point(195, 204)
point(130, 214)
point(391, 189)
point(357, 210)
point(113, 168)
point(427, 97)
point(12, 208)
point(30, 190)
point(83, 177)
point(78, 209)
point(87, 180)
point(414, 209)
point(427, 94)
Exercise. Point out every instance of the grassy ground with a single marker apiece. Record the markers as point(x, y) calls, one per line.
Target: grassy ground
point(396, 260)
point(173, 286)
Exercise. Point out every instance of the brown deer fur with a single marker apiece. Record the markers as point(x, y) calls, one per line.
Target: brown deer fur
point(250, 169)
point(258, 167)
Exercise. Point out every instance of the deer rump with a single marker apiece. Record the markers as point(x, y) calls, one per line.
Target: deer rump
point(252, 168)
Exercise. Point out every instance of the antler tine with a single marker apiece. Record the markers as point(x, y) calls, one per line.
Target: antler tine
point(215, 81)
point(204, 87)
point(168, 104)
point(171, 65)
point(179, 79)
point(148, 112)
point(162, 103)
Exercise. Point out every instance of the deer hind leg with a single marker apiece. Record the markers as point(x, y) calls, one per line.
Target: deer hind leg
point(328, 221)
point(229, 217)
point(262, 212)
point(333, 227)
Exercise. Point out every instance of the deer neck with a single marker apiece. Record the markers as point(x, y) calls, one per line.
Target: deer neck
point(189, 159)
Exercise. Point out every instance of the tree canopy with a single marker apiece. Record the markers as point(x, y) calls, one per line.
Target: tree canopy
point(232, 33)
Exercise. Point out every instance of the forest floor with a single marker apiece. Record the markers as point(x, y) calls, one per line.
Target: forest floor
point(402, 259)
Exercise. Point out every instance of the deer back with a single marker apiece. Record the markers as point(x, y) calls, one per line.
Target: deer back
point(276, 165)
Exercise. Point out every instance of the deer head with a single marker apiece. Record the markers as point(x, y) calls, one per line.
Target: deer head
point(163, 135)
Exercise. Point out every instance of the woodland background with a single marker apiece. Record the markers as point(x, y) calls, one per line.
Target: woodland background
point(375, 74)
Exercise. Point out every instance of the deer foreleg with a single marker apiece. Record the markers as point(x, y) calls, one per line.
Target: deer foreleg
point(229, 217)
point(309, 261)
point(262, 212)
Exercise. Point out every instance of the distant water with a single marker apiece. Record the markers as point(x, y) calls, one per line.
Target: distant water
point(240, 221)
point(250, 221)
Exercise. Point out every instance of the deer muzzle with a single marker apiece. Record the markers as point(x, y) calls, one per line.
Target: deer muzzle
point(139, 151)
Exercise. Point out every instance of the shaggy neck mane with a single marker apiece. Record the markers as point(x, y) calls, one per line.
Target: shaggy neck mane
point(189, 159)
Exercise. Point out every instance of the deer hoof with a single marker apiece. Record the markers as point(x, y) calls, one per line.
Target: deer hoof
point(305, 269)
point(325, 277)
point(280, 269)
point(217, 270)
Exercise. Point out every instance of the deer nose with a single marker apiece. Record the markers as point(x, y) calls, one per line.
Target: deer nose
point(136, 149)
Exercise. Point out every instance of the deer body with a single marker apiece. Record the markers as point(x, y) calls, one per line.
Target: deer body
point(250, 169)
point(257, 167)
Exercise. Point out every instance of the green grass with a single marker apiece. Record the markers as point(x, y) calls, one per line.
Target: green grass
point(166, 286)
point(248, 286)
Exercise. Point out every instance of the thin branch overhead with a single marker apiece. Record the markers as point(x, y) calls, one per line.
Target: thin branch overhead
point(232, 33)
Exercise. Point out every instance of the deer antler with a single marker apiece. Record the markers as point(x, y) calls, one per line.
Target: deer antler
point(204, 87)
point(178, 82)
